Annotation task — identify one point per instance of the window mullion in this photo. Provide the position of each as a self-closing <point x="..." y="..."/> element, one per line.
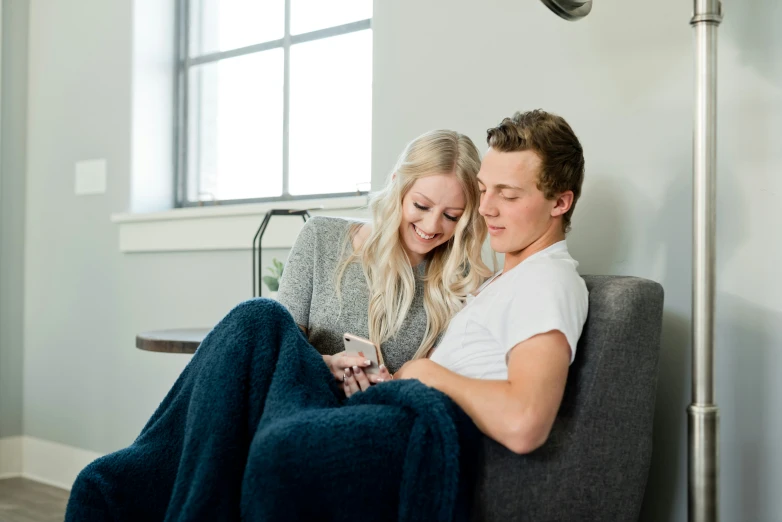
<point x="187" y="90"/>
<point x="182" y="92"/>
<point x="286" y="99"/>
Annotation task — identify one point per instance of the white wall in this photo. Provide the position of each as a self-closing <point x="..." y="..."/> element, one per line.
<point x="622" y="77"/>
<point x="12" y="211"/>
<point x="85" y="384"/>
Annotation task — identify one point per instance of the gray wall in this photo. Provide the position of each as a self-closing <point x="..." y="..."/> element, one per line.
<point x="12" y="212"/>
<point x="622" y="77"/>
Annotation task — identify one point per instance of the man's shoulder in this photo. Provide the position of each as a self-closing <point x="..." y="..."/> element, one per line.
<point x="545" y="270"/>
<point x="547" y="285"/>
<point x="549" y="278"/>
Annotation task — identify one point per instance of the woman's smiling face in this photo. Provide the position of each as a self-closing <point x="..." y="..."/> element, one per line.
<point x="430" y="211"/>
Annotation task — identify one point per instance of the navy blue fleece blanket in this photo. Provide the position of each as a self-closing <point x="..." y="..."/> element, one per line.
<point x="255" y="429"/>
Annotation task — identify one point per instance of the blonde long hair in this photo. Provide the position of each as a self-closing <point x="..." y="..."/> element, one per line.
<point x="453" y="269"/>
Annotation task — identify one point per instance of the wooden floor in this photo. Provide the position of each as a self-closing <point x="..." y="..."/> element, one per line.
<point x="23" y="500"/>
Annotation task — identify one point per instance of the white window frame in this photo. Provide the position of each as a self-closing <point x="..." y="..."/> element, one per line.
<point x="224" y="227"/>
<point x="185" y="63"/>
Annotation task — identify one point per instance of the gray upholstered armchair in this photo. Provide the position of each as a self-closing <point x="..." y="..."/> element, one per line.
<point x="595" y="464"/>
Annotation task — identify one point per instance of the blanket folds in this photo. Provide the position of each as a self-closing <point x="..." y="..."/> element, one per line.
<point x="255" y="428"/>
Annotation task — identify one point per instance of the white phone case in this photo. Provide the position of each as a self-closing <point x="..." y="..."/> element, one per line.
<point x="364" y="348"/>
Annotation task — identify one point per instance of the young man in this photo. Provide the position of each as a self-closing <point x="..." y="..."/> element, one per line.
<point x="504" y="358"/>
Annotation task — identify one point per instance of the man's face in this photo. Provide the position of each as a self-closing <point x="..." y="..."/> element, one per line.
<point x="516" y="211"/>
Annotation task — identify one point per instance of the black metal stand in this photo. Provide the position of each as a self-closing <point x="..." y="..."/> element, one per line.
<point x="257" y="268"/>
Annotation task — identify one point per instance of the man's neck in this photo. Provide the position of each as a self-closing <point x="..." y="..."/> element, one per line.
<point x="551" y="237"/>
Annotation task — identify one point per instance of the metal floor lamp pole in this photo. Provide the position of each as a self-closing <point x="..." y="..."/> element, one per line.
<point x="703" y="415"/>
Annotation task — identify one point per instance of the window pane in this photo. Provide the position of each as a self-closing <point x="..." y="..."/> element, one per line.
<point x="235" y="128"/>
<point x="331" y="114"/>
<point x="221" y="25"/>
<point x="311" y="15"/>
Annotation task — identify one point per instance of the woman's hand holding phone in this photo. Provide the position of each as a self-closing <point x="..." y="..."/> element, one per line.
<point x="359" y="366"/>
<point x="357" y="380"/>
<point x="340" y="362"/>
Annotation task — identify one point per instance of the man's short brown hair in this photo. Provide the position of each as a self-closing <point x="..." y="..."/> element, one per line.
<point x="552" y="139"/>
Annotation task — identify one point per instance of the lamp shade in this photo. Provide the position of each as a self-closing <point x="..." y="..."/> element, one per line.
<point x="569" y="9"/>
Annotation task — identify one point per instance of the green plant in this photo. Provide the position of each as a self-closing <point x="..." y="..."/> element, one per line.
<point x="273" y="281"/>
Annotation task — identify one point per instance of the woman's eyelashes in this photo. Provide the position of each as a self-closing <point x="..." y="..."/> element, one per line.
<point x="426" y="209"/>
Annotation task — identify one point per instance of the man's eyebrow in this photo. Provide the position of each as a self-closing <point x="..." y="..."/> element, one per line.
<point x="432" y="202"/>
<point x="500" y="186"/>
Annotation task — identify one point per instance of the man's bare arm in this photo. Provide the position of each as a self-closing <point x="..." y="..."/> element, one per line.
<point x="517" y="413"/>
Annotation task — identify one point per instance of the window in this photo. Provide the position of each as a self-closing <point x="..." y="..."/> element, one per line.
<point x="274" y="100"/>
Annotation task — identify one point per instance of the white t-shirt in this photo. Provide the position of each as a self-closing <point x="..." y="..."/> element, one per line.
<point x="541" y="294"/>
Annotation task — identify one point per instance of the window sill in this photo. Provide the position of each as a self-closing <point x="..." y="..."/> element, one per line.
<point x="230" y="227"/>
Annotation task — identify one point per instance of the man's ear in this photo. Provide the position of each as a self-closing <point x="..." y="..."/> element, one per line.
<point x="562" y="203"/>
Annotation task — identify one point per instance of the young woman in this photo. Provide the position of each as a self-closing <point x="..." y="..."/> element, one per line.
<point x="400" y="278"/>
<point x="396" y="280"/>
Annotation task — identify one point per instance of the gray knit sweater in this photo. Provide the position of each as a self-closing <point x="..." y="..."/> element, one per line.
<point x="307" y="289"/>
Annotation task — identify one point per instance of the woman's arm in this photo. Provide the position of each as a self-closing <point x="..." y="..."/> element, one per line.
<point x="296" y="284"/>
<point x="517" y="413"/>
<point x="297" y="288"/>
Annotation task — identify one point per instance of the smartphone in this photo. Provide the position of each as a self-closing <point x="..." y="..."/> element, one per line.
<point x="355" y="345"/>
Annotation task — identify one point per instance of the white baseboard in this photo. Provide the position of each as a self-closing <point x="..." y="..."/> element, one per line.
<point x="43" y="461"/>
<point x="10" y="457"/>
